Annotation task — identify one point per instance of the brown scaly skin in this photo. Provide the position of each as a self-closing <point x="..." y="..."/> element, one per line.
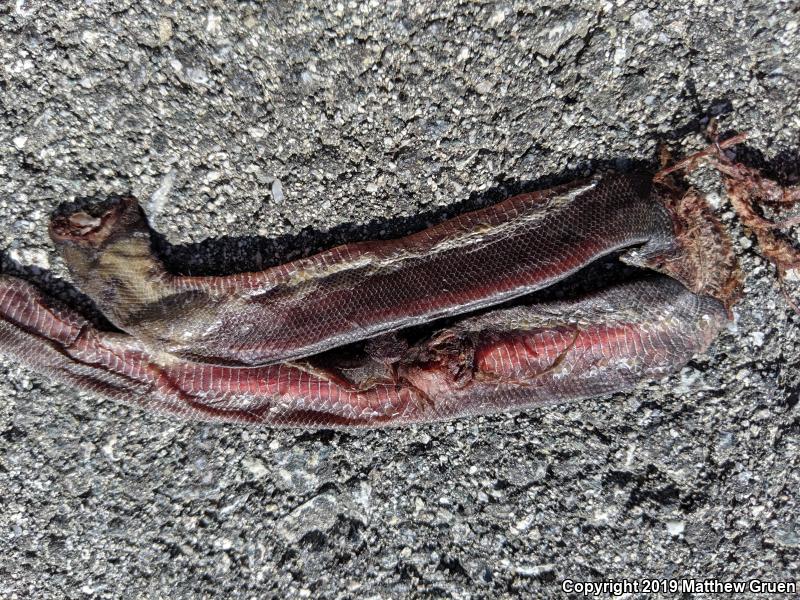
<point x="503" y="360"/>
<point x="358" y="291"/>
<point x="355" y="291"/>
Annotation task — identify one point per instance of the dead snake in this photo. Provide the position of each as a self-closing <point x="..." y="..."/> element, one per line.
<point x="272" y="347"/>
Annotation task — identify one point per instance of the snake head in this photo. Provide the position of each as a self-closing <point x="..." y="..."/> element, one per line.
<point x="92" y="224"/>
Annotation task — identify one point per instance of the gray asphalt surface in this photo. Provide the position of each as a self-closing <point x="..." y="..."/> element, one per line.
<point x="309" y="124"/>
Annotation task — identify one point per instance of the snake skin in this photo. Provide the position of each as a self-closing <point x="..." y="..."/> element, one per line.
<point x="361" y="290"/>
<point x="277" y="347"/>
<point x="506" y="360"/>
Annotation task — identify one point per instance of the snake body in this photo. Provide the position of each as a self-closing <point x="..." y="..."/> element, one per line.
<point x="290" y="346"/>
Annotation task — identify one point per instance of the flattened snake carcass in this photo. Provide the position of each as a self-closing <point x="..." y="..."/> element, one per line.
<point x="286" y="346"/>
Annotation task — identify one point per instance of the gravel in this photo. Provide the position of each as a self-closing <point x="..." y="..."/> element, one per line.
<point x="254" y="134"/>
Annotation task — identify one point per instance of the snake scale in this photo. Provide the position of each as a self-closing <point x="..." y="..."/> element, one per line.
<point x="391" y="332"/>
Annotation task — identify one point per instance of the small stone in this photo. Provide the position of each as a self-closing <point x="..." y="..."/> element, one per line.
<point x="89" y="37"/>
<point x="277" y="191"/>
<point x="158" y="199"/>
<point x="198" y="75"/>
<point x="675" y="528"/>
<point x="714" y="199"/>
<point x="484" y="87"/>
<point x="535" y="570"/>
<point x="164" y="30"/>
<point x="498" y="17"/>
<point x="213" y="23"/>
<point x="255" y="466"/>
<point x="318" y="514"/>
<point x="224" y="544"/>
<point x="641" y="21"/>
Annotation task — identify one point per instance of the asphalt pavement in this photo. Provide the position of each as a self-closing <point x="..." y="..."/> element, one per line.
<point x="256" y="132"/>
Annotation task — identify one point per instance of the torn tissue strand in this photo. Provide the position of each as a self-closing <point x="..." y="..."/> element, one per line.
<point x="748" y="190"/>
